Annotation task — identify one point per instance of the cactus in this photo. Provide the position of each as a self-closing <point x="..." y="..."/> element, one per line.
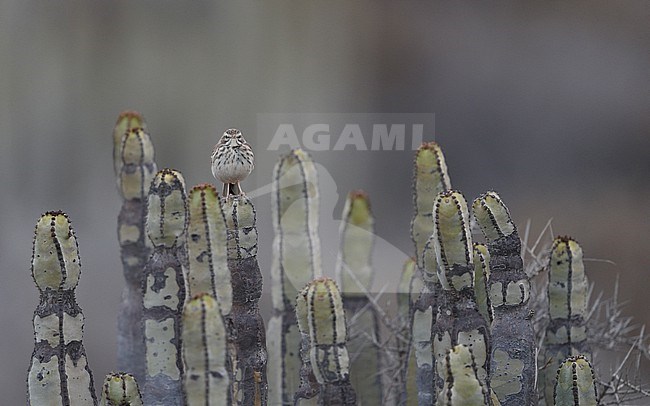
<point x="309" y="386"/>
<point x="512" y="367"/>
<point x="429" y="178"/>
<point x="296" y="261"/>
<point x="481" y="277"/>
<point x="164" y="289"/>
<point x="248" y="337"/>
<point x="205" y="354"/>
<point x="575" y="383"/>
<point x="462" y="386"/>
<point x="566" y="333"/>
<point x="135" y="168"/>
<point x="328" y="334"/>
<point x="120" y="389"/>
<point x="206" y="247"/>
<point x="459" y="320"/>
<point x="59" y="372"/>
<point x="407" y="293"/>
<point x="354" y="273"/>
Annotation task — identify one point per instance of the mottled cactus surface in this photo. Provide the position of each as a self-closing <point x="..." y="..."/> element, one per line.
<point x="575" y="383"/>
<point x="134" y="164"/>
<point x="512" y="355"/>
<point x="59" y="372"/>
<point x="462" y="385"/>
<point x="164" y="290"/>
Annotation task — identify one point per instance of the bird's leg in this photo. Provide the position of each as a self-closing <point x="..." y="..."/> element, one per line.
<point x="235" y="189"/>
<point x="226" y="189"/>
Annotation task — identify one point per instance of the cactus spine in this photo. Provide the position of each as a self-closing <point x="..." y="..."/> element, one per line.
<point x="575" y="383"/>
<point x="120" y="389"/>
<point x="566" y="333"/>
<point x="135" y="167"/>
<point x="296" y="261"/>
<point x="512" y="367"/>
<point x="459" y="320"/>
<point x="248" y="337"/>
<point x="205" y="353"/>
<point x="59" y="372"/>
<point x="354" y="272"/>
<point x="164" y="289"/>
<point x="429" y="178"/>
<point x="328" y="334"/>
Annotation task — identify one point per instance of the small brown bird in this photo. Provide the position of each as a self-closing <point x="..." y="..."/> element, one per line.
<point x="232" y="161"/>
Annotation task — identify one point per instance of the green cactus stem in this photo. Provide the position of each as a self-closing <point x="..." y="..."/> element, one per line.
<point x="205" y="354"/>
<point x="126" y="121"/>
<point x="407" y="293"/>
<point x="58" y="372"/>
<point x="328" y="334"/>
<point x="135" y="169"/>
<point x="120" y="389"/>
<point x="429" y="179"/>
<point x="512" y="367"/>
<point x="296" y="261"/>
<point x="459" y="320"/>
<point x="462" y="386"/>
<point x="164" y="290"/>
<point x="354" y="273"/>
<point x="309" y="386"/>
<point x="206" y="247"/>
<point x="566" y="333"/>
<point x="481" y="277"/>
<point x="248" y="338"/>
<point x="575" y="383"/>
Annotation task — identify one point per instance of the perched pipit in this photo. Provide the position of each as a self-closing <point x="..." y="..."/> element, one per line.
<point x="232" y="161"/>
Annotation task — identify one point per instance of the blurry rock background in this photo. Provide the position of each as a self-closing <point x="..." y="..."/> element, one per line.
<point x="547" y="103"/>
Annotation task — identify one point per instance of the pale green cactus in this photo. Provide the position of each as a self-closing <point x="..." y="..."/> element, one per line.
<point x="328" y="334"/>
<point x="206" y="247"/>
<point x="566" y="333"/>
<point x="120" y="389"/>
<point x="429" y="179"/>
<point x="459" y="320"/>
<point x="164" y="290"/>
<point x="296" y="261"/>
<point x="309" y="386"/>
<point x="407" y="294"/>
<point x="58" y="372"/>
<point x="462" y="386"/>
<point x="575" y="383"/>
<point x="135" y="168"/>
<point x="481" y="277"/>
<point x="205" y="354"/>
<point x="247" y="336"/>
<point x="512" y="366"/>
<point x="355" y="274"/>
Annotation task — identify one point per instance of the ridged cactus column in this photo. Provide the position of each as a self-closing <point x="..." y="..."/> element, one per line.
<point x="120" y="389"/>
<point x="429" y="179"/>
<point x="408" y="292"/>
<point x="328" y="335"/>
<point x="575" y="383"/>
<point x="59" y="372"/>
<point x="566" y="333"/>
<point x="135" y="168"/>
<point x="296" y="261"/>
<point x="512" y="367"/>
<point x="462" y="386"/>
<point x="355" y="274"/>
<point x="164" y="290"/>
<point x="205" y="341"/>
<point x="459" y="320"/>
<point x="309" y="386"/>
<point x="248" y="338"/>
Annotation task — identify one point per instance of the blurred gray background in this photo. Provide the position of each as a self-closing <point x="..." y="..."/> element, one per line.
<point x="547" y="103"/>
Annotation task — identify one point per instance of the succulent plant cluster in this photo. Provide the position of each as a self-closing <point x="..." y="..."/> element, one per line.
<point x="462" y="332"/>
